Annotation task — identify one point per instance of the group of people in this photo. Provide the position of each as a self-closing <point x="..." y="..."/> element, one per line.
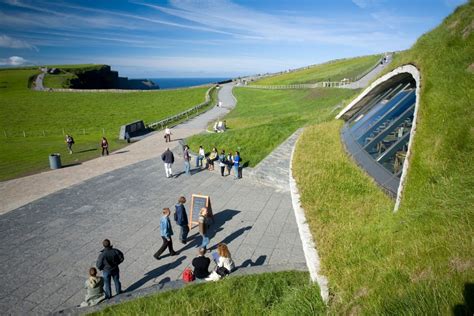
<point x="104" y="144"/>
<point x="227" y="161"/>
<point x="220" y="126"/>
<point x="222" y="258"/>
<point x="98" y="288"/>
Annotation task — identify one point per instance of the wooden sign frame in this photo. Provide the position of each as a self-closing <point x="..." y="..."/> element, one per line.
<point x="208" y="206"/>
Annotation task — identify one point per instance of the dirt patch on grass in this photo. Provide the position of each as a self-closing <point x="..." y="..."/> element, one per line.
<point x="461" y="265"/>
<point x="468" y="30"/>
<point x="470" y="68"/>
<point x="421" y="275"/>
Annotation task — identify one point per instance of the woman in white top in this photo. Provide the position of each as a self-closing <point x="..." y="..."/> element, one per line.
<point x="224" y="262"/>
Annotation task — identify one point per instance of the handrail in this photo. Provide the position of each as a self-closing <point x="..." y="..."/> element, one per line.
<point x="186" y="113"/>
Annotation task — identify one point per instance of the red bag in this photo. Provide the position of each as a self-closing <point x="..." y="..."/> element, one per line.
<point x="188" y="275"/>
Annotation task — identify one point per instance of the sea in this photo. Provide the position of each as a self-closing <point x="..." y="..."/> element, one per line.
<point x="173" y="83"/>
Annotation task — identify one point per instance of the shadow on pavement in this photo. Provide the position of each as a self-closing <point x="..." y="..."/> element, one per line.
<point x="153" y="274"/>
<point x="249" y="263"/>
<point x="71" y="165"/>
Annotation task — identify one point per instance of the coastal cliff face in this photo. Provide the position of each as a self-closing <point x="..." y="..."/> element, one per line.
<point x="103" y="77"/>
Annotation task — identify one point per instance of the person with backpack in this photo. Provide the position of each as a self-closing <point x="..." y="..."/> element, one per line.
<point x="181" y="218"/>
<point x="105" y="146"/>
<point x="168" y="160"/>
<point x="187" y="160"/>
<point x="166" y="231"/>
<point x="222" y="162"/>
<point x="108" y="262"/>
<point x="69" y="143"/>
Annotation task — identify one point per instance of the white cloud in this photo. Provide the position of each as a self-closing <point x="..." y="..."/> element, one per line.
<point x="363" y="4"/>
<point x="13" y="61"/>
<point x="7" y="41"/>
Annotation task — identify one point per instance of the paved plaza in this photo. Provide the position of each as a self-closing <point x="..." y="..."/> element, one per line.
<point x="48" y="244"/>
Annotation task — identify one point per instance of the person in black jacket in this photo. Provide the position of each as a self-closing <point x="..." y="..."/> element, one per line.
<point x="201" y="265"/>
<point x="181" y="218"/>
<point x="108" y="262"/>
<point x="168" y="159"/>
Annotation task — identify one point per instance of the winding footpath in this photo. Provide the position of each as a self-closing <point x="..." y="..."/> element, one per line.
<point x="53" y="222"/>
<point x="51" y="238"/>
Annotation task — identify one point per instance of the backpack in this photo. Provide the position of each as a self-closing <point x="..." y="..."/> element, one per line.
<point x="188" y="275"/>
<point x="72" y="139"/>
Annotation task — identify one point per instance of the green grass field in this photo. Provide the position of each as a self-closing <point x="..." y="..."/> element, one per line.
<point x="282" y="293"/>
<point x="419" y="260"/>
<point x="44" y="117"/>
<point x="263" y="119"/>
<point x="330" y="71"/>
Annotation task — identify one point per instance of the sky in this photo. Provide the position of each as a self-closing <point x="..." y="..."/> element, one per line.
<point x="209" y="38"/>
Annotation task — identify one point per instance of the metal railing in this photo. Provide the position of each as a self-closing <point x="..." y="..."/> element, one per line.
<point x="185" y="114"/>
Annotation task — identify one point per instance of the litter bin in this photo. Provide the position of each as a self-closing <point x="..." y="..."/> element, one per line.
<point x="55" y="161"/>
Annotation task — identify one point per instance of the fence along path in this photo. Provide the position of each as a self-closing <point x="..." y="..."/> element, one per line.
<point x="21" y="191"/>
<point x="358" y="82"/>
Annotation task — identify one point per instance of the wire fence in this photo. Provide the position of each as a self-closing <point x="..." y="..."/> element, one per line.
<point x="103" y="131"/>
<point x="57" y="132"/>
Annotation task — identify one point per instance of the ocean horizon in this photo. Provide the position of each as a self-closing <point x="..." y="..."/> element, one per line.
<point x="173" y="83"/>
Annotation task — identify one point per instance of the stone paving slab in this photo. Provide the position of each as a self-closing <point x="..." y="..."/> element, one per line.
<point x="49" y="244"/>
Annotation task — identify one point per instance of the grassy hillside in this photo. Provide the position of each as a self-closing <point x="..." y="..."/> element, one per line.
<point x="45" y="116"/>
<point x="263" y="119"/>
<point x="330" y="71"/>
<point x="282" y="293"/>
<point x="419" y="260"/>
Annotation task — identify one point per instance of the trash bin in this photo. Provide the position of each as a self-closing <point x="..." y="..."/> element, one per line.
<point x="55" y="161"/>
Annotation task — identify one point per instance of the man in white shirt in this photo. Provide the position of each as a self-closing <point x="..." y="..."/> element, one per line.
<point x="167" y="134"/>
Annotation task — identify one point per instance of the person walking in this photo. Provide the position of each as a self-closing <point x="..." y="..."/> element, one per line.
<point x="108" y="262"/>
<point x="229" y="162"/>
<point x="69" y="143"/>
<point x="222" y="161"/>
<point x="166" y="232"/>
<point x="201" y="265"/>
<point x="105" y="146"/>
<point x="187" y="160"/>
<point x="167" y="134"/>
<point x="181" y="218"/>
<point x="168" y="160"/>
<point x="200" y="157"/>
<point x="95" y="289"/>
<point x="236" y="160"/>
<point x="203" y="226"/>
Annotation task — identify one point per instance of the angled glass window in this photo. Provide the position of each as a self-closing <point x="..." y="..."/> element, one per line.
<point x="378" y="128"/>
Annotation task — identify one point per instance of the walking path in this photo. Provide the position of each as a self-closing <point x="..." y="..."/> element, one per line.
<point x="364" y="81"/>
<point x="48" y="244"/>
<point x="21" y="191"/>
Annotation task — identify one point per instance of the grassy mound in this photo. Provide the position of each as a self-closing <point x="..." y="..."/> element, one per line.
<point x="331" y="71"/>
<point x="44" y="117"/>
<point x="419" y="260"/>
<point x="263" y="119"/>
<point x="282" y="293"/>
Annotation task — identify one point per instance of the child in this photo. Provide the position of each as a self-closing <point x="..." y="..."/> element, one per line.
<point x="95" y="289"/>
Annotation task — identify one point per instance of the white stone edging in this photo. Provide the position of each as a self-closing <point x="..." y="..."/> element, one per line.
<point x="309" y="247"/>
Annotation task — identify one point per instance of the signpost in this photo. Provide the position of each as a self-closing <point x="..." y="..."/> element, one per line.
<point x="197" y="203"/>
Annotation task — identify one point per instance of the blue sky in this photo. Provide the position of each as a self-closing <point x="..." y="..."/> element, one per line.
<point x="205" y="38"/>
